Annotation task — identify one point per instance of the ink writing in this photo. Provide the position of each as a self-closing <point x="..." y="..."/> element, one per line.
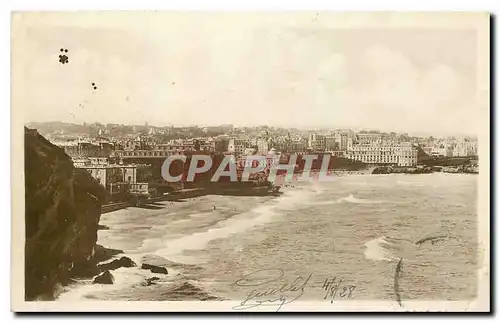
<point x="270" y="288"/>
<point x="336" y="288"/>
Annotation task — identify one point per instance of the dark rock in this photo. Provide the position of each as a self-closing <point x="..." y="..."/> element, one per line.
<point x="84" y="269"/>
<point x="155" y="269"/>
<point x="382" y="170"/>
<point x="62" y="211"/>
<point x="104" y="278"/>
<point x="117" y="263"/>
<point x="150" y="281"/>
<point x="102" y="254"/>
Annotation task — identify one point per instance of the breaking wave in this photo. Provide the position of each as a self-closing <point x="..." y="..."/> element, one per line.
<point x="380" y="249"/>
<point x="258" y="216"/>
<point x="352" y="199"/>
<point x="390" y="249"/>
<point x="349" y="199"/>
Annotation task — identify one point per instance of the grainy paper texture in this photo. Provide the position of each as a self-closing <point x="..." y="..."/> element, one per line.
<point x="395" y="219"/>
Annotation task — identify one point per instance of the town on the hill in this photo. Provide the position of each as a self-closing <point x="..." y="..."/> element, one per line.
<point x="128" y="159"/>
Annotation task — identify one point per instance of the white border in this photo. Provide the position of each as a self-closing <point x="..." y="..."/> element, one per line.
<point x="201" y="5"/>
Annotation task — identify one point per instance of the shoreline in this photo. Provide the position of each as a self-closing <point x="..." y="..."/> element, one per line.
<point x="159" y="277"/>
<point x="178" y="284"/>
<point x="174" y="196"/>
<point x="189" y="193"/>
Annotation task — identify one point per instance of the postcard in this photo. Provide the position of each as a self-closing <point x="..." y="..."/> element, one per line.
<point x="250" y="161"/>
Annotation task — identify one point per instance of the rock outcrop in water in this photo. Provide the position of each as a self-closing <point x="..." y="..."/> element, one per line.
<point x="150" y="281"/>
<point x="104" y="278"/>
<point x="102" y="254"/>
<point x="155" y="268"/>
<point x="117" y="263"/>
<point x="62" y="211"/>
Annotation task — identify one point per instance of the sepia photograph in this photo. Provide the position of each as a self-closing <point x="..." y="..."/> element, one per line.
<point x="250" y="162"/>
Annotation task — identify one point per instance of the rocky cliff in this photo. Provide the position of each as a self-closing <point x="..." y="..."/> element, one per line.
<point x="63" y="207"/>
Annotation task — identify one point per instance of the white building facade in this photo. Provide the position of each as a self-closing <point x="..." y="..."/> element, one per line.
<point x="389" y="153"/>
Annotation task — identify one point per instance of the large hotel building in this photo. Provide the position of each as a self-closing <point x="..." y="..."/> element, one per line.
<point x="384" y="152"/>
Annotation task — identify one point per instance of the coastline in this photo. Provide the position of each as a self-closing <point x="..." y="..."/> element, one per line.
<point x="188" y="281"/>
<point x="179" y="284"/>
<point x="145" y="280"/>
<point x="138" y="282"/>
<point x="280" y="181"/>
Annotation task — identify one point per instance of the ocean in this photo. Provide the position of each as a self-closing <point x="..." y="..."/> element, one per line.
<point x="351" y="232"/>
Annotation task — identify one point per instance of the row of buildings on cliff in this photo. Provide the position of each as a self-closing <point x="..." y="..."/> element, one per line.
<point x="103" y="154"/>
<point x="100" y="140"/>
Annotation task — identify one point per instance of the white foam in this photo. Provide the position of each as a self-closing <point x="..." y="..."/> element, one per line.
<point x="392" y="249"/>
<point x="375" y="250"/>
<point x="353" y="199"/>
<point x="350" y="199"/>
<point x="225" y="229"/>
<point x="124" y="277"/>
<point x="258" y="216"/>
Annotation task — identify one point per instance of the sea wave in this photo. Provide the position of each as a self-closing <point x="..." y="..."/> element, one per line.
<point x="349" y="199"/>
<point x="258" y="216"/>
<point x="390" y="249"/>
<point x="377" y="250"/>
<point x="188" y="290"/>
<point x="125" y="278"/>
<point x="224" y="229"/>
<point x="411" y="183"/>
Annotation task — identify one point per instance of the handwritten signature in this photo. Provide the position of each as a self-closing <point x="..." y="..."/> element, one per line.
<point x="270" y="288"/>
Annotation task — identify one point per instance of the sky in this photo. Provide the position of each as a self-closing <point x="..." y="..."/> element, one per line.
<point x="246" y="70"/>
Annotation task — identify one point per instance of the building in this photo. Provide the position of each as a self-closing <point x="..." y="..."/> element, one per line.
<point x="140" y="142"/>
<point x="298" y="146"/>
<point x="221" y="143"/>
<point x="98" y="160"/>
<point x="465" y="147"/>
<point x="262" y="146"/>
<point x="80" y="162"/>
<point x="338" y="153"/>
<point x="374" y="153"/>
<point x="368" y="138"/>
<point x="193" y="144"/>
<point x="316" y="142"/>
<point x="427" y="150"/>
<point x="331" y="143"/>
<point x="407" y="154"/>
<point x="81" y="148"/>
<point x="140" y="189"/>
<point x="342" y="140"/>
<point x="282" y="144"/>
<point x="384" y="152"/>
<point x="237" y="146"/>
<point x="107" y="175"/>
<point x="442" y="149"/>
